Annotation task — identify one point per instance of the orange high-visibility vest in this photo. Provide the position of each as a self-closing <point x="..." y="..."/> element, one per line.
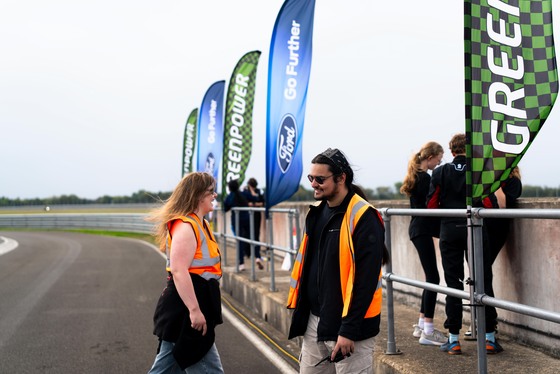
<point x="354" y="212"/>
<point x="207" y="260"/>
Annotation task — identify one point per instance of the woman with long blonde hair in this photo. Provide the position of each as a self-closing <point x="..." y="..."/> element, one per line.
<point x="421" y="231"/>
<point x="189" y="307"/>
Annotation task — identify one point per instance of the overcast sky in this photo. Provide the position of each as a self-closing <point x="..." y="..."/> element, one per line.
<point x="94" y="95"/>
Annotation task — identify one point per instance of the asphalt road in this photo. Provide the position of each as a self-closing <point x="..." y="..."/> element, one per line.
<point x="78" y="303"/>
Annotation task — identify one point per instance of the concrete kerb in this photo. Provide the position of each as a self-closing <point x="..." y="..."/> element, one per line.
<point x="257" y="296"/>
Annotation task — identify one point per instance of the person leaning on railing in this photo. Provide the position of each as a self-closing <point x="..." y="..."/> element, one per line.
<point x="421" y="231"/>
<point x="448" y="190"/>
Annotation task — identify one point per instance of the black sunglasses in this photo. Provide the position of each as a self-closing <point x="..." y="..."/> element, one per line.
<point x="318" y="179"/>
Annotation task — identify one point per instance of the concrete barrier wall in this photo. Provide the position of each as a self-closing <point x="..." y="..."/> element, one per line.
<point x="527" y="270"/>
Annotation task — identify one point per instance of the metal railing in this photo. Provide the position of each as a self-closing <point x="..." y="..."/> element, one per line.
<point x="476" y="296"/>
<point x="474" y="217"/>
<point x="130" y="222"/>
<point x="293" y="226"/>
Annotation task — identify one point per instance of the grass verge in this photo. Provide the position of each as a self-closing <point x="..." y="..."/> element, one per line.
<point x="135" y="235"/>
<point x="123" y="234"/>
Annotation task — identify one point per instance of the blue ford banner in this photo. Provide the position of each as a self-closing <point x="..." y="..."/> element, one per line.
<point x="288" y="77"/>
<point x="211" y="130"/>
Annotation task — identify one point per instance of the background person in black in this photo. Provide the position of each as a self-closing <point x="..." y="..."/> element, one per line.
<point x="421" y="231"/>
<point x="236" y="199"/>
<point x="448" y="190"/>
<point x="498" y="228"/>
<point x="255" y="198"/>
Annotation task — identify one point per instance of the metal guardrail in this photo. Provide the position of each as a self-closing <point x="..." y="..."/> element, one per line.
<point x="135" y="222"/>
<point x="478" y="299"/>
<point x="84" y="207"/>
<point x="293" y="217"/>
<point x="130" y="222"/>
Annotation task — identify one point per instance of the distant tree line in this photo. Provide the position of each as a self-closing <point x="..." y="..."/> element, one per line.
<point x="140" y="197"/>
<point x="379" y="193"/>
<point x="303" y="194"/>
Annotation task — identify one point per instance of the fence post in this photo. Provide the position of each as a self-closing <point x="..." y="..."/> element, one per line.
<point x="224" y="230"/>
<point x="391" y="344"/>
<point x="236" y="233"/>
<point x="298" y="236"/>
<point x="270" y="250"/>
<point x="472" y="277"/>
<point x="252" y="245"/>
<point x="475" y="225"/>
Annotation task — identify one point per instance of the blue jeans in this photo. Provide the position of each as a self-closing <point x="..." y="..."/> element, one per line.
<point x="165" y="362"/>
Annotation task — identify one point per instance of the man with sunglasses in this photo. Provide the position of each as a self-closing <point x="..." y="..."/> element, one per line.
<point x="335" y="289"/>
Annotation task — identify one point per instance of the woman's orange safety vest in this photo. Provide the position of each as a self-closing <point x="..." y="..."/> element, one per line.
<point x="207" y="260"/>
<point x="354" y="212"/>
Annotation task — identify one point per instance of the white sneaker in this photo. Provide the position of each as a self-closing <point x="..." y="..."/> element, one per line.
<point x="436" y="338"/>
<point x="417" y="331"/>
<point x="241" y="267"/>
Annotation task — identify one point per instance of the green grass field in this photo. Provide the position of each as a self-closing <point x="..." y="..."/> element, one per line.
<point x="146" y="237"/>
<point x="122" y="234"/>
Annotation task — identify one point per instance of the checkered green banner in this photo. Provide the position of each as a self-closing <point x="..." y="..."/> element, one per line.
<point x="238" y="122"/>
<point x="511" y="84"/>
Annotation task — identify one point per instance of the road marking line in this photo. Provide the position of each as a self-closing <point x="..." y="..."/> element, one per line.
<point x="268" y="352"/>
<point x="8" y="245"/>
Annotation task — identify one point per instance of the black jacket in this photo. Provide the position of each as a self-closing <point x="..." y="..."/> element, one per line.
<point x="368" y="239"/>
<point x="420" y="226"/>
<point x="237" y="200"/>
<point x="172" y="322"/>
<point x="512" y="188"/>
<point x="448" y="188"/>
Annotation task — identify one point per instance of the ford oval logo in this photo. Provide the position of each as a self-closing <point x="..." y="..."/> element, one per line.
<point x="210" y="164"/>
<point x="286" y="142"/>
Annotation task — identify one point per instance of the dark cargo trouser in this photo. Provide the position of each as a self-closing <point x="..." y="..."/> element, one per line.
<point x="453" y="247"/>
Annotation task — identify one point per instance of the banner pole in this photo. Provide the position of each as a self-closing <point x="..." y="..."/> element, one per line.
<point x="471" y="278"/>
